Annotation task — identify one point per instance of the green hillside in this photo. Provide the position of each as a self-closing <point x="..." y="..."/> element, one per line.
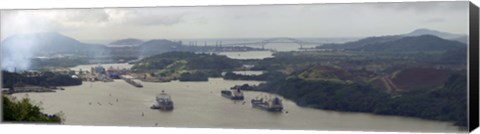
<point x="185" y="66"/>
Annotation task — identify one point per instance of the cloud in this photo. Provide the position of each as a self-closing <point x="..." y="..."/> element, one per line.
<point x="19" y="22"/>
<point x="82" y="16"/>
<point x="423" y="6"/>
<point x="435" y="20"/>
<point x="309" y="20"/>
<point x="145" y="16"/>
<point x="67" y="20"/>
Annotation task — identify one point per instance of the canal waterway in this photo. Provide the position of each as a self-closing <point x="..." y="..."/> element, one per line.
<point x="199" y="104"/>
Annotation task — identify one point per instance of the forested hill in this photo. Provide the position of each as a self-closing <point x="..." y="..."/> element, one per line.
<point x="184" y="66"/>
<point x="446" y="103"/>
<point x="10" y="79"/>
<point x="378" y="83"/>
<point x="186" y="60"/>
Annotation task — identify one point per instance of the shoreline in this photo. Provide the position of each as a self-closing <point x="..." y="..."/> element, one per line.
<point x="31" y="89"/>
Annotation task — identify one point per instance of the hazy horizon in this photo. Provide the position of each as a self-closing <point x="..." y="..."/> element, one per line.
<point x="256" y="21"/>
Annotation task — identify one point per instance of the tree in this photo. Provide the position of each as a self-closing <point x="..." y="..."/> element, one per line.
<point x="25" y="111"/>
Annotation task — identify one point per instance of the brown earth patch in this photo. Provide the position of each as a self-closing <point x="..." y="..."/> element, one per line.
<point x="417" y="78"/>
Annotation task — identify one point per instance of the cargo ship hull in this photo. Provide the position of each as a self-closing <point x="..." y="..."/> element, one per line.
<point x="163" y="102"/>
<point x="133" y="83"/>
<point x="275" y="106"/>
<point x="165" y="106"/>
<point x="232" y="96"/>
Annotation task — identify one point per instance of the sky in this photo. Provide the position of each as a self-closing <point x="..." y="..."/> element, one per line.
<point x="264" y="21"/>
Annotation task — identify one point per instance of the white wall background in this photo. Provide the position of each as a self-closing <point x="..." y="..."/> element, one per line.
<point x="53" y="129"/>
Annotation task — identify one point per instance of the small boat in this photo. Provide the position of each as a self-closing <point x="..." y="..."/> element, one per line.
<point x="272" y="105"/>
<point x="235" y="95"/>
<point x="163" y="102"/>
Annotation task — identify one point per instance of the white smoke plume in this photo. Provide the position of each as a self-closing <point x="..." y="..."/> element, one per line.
<point x="16" y="51"/>
<point x="17" y="55"/>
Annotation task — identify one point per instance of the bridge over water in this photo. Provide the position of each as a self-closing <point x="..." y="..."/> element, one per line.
<point x="264" y="42"/>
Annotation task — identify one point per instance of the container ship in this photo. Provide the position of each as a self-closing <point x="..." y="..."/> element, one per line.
<point x="272" y="105"/>
<point x="132" y="82"/>
<point x="163" y="102"/>
<point x="235" y="95"/>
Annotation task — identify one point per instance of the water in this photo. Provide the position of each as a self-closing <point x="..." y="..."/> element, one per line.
<point x="284" y="47"/>
<point x="280" y="47"/>
<point x="248" y="55"/>
<point x="199" y="104"/>
<point x="248" y="72"/>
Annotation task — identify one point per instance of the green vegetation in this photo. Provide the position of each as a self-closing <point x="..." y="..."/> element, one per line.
<point x="447" y="103"/>
<point x="45" y="79"/>
<point x="188" y="61"/>
<point x="326" y="94"/>
<point x="25" y="111"/>
<point x="425" y="84"/>
<point x="194" y="76"/>
<point x="185" y="66"/>
<point x="333" y="74"/>
<point x="377" y="62"/>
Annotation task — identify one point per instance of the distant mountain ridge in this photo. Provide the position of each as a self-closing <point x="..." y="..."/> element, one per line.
<point x="27" y="46"/>
<point x="47" y="43"/>
<point x="415" y="43"/>
<point x="424" y="31"/>
<point x="126" y="42"/>
<point x="418" y="40"/>
<point x="361" y="43"/>
<point x="444" y="35"/>
<point x="54" y="43"/>
<point x="18" y="50"/>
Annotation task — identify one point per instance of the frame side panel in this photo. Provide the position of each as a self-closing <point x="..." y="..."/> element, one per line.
<point x="473" y="67"/>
